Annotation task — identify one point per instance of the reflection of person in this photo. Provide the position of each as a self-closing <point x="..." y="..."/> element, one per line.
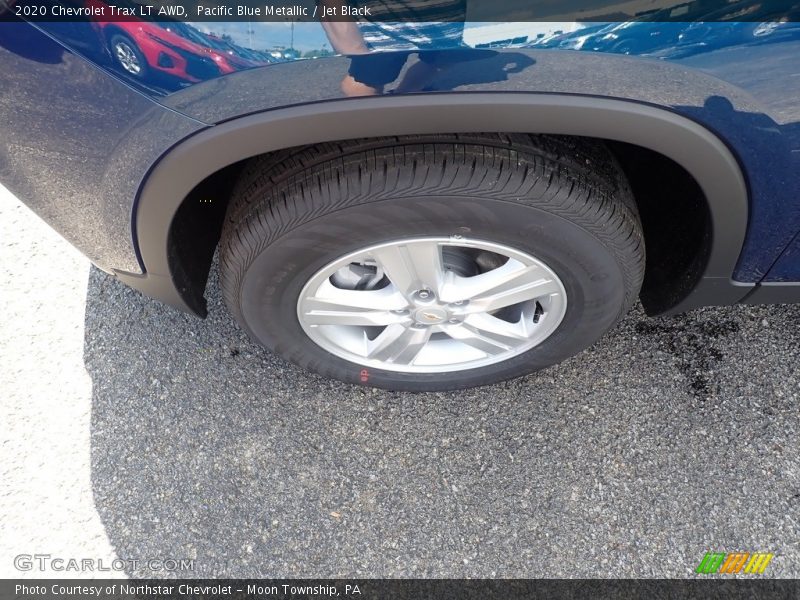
<point x="402" y="26"/>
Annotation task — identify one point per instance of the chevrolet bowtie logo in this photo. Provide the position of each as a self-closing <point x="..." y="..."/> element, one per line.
<point x="431" y="316"/>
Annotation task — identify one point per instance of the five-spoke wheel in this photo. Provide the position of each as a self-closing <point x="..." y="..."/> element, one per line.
<point x="432" y="304"/>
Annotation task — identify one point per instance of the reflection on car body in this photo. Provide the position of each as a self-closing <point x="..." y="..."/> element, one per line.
<point x="672" y="33"/>
<point x="169" y="49"/>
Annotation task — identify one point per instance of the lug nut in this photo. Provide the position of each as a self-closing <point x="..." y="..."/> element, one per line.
<point x="454" y="321"/>
<point x="424" y="295"/>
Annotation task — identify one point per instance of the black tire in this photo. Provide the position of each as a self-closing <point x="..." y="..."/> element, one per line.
<point x="120" y="38"/>
<point x="562" y="200"/>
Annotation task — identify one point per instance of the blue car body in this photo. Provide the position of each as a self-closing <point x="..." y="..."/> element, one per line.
<point x="109" y="158"/>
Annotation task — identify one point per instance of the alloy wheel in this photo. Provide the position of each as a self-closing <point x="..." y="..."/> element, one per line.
<point x="432" y="304"/>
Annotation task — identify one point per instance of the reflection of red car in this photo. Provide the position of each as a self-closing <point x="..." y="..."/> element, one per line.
<point x="139" y="47"/>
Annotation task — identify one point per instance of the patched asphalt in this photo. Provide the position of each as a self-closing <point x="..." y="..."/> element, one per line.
<point x="163" y="436"/>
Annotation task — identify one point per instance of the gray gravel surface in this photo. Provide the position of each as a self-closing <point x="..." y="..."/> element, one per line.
<point x="667" y="439"/>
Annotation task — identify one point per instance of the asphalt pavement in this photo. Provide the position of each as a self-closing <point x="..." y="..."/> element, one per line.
<point x="131" y="431"/>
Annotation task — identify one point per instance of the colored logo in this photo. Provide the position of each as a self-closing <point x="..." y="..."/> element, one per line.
<point x="734" y="562"/>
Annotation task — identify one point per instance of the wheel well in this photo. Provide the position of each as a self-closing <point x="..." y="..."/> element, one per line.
<point x="674" y="212"/>
<point x="169" y="271"/>
<point x="676" y="221"/>
<point x="195" y="231"/>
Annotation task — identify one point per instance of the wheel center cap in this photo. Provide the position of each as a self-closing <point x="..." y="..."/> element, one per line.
<point x="430" y="315"/>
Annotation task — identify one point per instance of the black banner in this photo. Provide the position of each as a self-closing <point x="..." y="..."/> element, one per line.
<point x="390" y="589"/>
<point x="402" y="10"/>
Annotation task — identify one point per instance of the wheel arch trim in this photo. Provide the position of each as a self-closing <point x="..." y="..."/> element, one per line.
<point x="704" y="156"/>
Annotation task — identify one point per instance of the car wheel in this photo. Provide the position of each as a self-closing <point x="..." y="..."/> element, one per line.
<point x="128" y="56"/>
<point x="432" y="262"/>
